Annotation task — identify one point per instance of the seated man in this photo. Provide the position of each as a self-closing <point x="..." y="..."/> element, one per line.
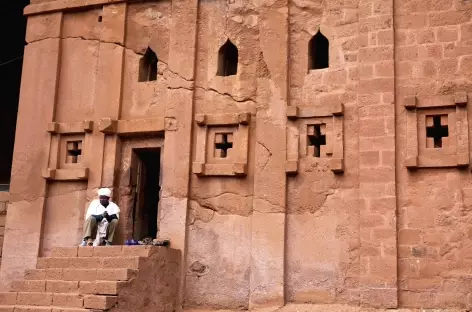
<point x="98" y="210"/>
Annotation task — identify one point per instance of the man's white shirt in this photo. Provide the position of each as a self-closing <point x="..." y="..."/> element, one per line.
<point x="95" y="208"/>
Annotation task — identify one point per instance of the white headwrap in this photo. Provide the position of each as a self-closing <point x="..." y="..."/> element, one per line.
<point x="104" y="192"/>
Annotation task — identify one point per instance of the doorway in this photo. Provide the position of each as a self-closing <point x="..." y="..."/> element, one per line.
<point x="145" y="176"/>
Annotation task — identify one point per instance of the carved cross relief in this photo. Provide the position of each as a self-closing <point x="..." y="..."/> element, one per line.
<point x="316" y="138"/>
<point x="222" y="144"/>
<point x="437" y="131"/>
<point x="70" y="143"/>
<point x="315" y="135"/>
<point x="74" y="152"/>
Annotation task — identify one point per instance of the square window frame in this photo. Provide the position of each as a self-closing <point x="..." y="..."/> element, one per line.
<point x="457" y="154"/>
<point x="299" y="119"/>
<point x="236" y="165"/>
<point x="57" y="169"/>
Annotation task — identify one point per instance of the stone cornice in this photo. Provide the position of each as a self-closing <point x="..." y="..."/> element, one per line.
<point x="62" y="5"/>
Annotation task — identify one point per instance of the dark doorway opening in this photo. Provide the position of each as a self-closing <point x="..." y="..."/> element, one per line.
<point x="318" y="52"/>
<point x="13" y="26"/>
<point x="145" y="169"/>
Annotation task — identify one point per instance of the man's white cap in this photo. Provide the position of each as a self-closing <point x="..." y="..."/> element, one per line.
<point x="104" y="192"/>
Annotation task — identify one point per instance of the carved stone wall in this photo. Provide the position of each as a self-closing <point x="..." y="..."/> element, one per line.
<point x="283" y="179"/>
<point x="4" y="198"/>
<point x="433" y="54"/>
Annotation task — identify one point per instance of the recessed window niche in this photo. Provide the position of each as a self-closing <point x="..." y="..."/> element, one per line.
<point x="318" y="52"/>
<point x="148" y="66"/>
<point x="227" y="59"/>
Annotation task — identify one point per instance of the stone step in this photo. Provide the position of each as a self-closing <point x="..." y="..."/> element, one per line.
<point x="120" y="262"/>
<point x="59" y="300"/>
<point x="57" y="286"/>
<point x="104" y="251"/>
<point x="80" y="274"/>
<point x="23" y="308"/>
<point x="19" y="308"/>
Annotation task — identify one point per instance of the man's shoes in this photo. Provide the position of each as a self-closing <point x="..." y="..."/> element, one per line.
<point x="83" y="243"/>
<point x="131" y="242"/>
<point x="107" y="243"/>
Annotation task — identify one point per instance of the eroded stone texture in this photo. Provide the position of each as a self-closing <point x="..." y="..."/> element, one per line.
<point x="291" y="225"/>
<point x="432" y="48"/>
<point x="4" y="198"/>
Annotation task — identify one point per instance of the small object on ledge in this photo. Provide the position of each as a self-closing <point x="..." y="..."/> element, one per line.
<point x="164" y="243"/>
<point x="131" y="242"/>
<point x="146" y="241"/>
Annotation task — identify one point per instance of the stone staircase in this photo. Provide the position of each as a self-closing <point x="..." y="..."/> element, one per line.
<point x="112" y="278"/>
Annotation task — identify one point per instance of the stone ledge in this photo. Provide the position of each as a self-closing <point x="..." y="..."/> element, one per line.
<point x="293" y="307"/>
<point x="72" y="174"/>
<point x="61" y="5"/>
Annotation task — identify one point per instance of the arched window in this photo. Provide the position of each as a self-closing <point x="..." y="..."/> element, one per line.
<point x="318" y="52"/>
<point x="227" y="59"/>
<point x="148" y="66"/>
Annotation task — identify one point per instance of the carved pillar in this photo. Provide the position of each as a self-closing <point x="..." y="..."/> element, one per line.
<point x="268" y="218"/>
<point x="172" y="213"/>
<point x="36" y="110"/>
<point x="377" y="188"/>
<point x="105" y="149"/>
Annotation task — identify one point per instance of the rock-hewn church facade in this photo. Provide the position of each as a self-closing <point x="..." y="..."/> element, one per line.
<point x="313" y="152"/>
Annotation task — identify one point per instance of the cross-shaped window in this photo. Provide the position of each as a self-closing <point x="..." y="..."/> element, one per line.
<point x="74" y="152"/>
<point x="437" y="130"/>
<point x="315" y="138"/>
<point x="223" y="143"/>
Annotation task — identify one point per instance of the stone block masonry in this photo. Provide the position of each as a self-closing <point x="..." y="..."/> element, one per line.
<point x="313" y="155"/>
<point x="4" y="199"/>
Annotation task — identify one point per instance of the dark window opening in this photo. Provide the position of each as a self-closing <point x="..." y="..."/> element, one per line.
<point x="148" y="66"/>
<point x="100" y="18"/>
<point x="318" y="52"/>
<point x="74" y="152"/>
<point x="13" y="23"/>
<point x="437" y="131"/>
<point x="227" y="59"/>
<point x="223" y="143"/>
<point x="145" y="182"/>
<point x="316" y="139"/>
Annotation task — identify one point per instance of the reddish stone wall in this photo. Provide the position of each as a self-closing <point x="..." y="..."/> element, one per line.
<point x="376" y="234"/>
<point x="322" y="228"/>
<point x="3" y="212"/>
<point x="433" y="57"/>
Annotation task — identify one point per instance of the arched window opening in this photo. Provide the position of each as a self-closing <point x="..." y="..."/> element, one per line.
<point x="227" y="59"/>
<point x="318" y="52"/>
<point x="148" y="66"/>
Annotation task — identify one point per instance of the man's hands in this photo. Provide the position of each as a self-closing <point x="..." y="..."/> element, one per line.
<point x="105" y="214"/>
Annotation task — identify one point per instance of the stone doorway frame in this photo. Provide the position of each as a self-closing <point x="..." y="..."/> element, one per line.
<point x="123" y="188"/>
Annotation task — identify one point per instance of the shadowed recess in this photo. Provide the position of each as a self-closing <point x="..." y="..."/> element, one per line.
<point x="318" y="52"/>
<point x="148" y="66"/>
<point x="227" y="59"/>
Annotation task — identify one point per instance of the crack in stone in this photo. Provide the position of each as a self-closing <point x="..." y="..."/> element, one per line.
<point x="221" y="194"/>
<point x="84" y="39"/>
<point x="282" y="208"/>
<point x="268" y="157"/>
<point x="243" y="100"/>
<point x="173" y="72"/>
<point x="227" y="95"/>
<point x="196" y="217"/>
